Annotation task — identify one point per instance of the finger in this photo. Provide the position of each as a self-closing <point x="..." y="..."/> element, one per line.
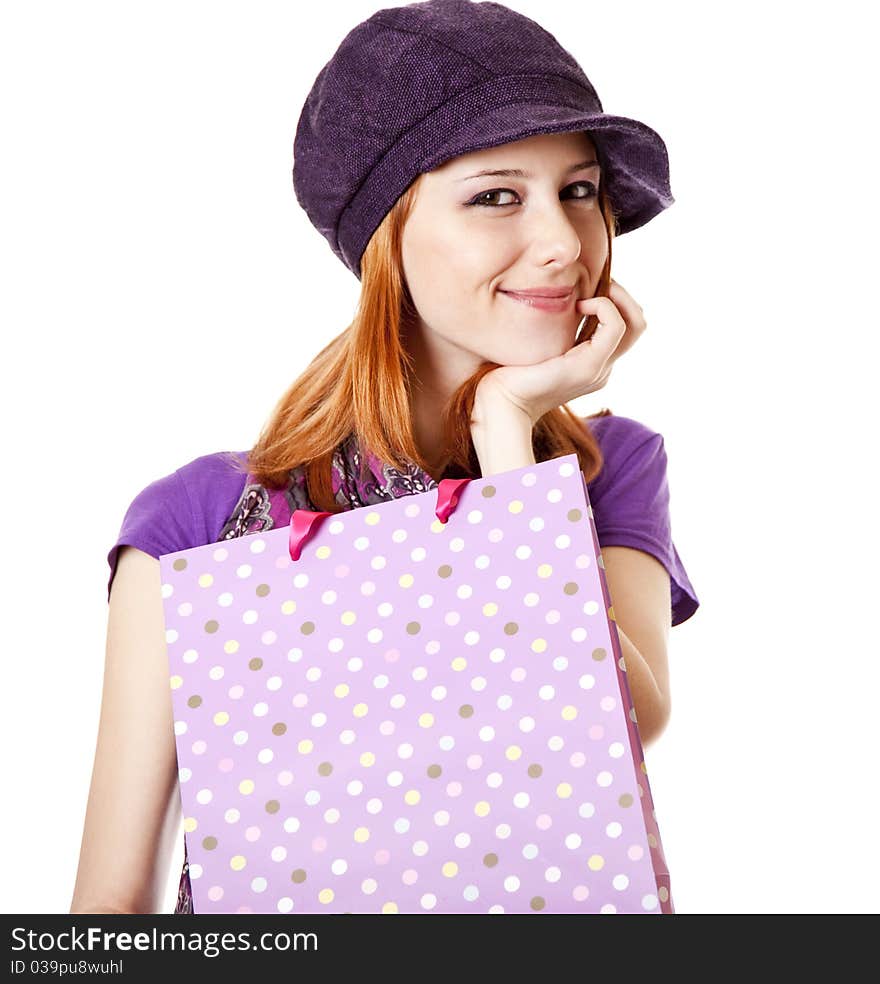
<point x="632" y="309"/>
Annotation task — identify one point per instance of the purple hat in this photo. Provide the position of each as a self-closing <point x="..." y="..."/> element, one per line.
<point x="414" y="86"/>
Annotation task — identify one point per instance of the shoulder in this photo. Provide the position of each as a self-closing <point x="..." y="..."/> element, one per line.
<point x="618" y="436"/>
<point x="184" y="508"/>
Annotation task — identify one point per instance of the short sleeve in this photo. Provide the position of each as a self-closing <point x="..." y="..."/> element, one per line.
<point x="158" y="521"/>
<point x="630" y="499"/>
<point x="184" y="509"/>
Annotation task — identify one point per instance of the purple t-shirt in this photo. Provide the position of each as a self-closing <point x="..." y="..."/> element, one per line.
<point x="630" y="499"/>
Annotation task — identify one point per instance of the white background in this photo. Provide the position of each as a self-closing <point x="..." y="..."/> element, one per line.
<point x="161" y="288"/>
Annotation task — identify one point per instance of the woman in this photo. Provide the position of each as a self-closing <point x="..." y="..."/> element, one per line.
<point x="458" y="161"/>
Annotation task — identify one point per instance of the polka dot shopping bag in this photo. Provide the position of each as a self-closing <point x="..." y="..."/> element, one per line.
<point x="418" y="706"/>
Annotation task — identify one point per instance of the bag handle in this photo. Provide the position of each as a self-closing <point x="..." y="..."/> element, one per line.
<point x="304" y="521"/>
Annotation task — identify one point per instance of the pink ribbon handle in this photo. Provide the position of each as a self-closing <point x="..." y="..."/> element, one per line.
<point x="302" y="522"/>
<point x="448" y="493"/>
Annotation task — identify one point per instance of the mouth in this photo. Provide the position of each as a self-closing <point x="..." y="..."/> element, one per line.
<point x="540" y="302"/>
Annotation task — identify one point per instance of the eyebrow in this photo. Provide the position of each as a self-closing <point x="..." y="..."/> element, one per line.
<point x="517" y="173"/>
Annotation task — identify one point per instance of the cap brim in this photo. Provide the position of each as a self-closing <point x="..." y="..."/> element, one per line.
<point x="634" y="159"/>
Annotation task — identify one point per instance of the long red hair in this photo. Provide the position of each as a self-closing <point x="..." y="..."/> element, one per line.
<point x="360" y="383"/>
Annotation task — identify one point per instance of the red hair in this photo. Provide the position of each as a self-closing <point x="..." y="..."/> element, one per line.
<point x="360" y="383"/>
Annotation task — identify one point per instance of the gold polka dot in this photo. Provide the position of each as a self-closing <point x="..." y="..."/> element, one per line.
<point x="325" y="768"/>
<point x="652" y="840"/>
<point x="273" y="806"/>
<point x="611" y="613"/>
<point x="288" y="607"/>
<point x="466" y="710"/>
<point x="413" y="628"/>
<point x="570" y="588"/>
<point x="596" y="862"/>
<point x="237" y="862"/>
<point x="450" y="869"/>
<point x="458" y="664"/>
<point x="389" y="908"/>
<point x="307" y="628"/>
<point x="362" y="835"/>
<point x="179" y="564"/>
<point x="176" y="682"/>
<point x="444" y="570"/>
<point x="663" y="893"/>
<point x="255" y="664"/>
<point x="411" y="797"/>
<point x="298" y="876"/>
<point x="279" y="728"/>
<point x="304" y="746"/>
<point x="489" y="491"/>
<point x="230" y="646"/>
<point x="537" y="903"/>
<point x="263" y="590"/>
<point x="190" y="824"/>
<point x="482" y="808"/>
<point x="625" y="800"/>
<point x="599" y="654"/>
<point x="325" y="896"/>
<point x="434" y="771"/>
<point x="212" y="625"/>
<point x="563" y="790"/>
<point x="535" y="770"/>
<point x="490" y="860"/>
<point x="511" y="628"/>
<point x="209" y="843"/>
<point x="194" y="701"/>
<point x="574" y="515"/>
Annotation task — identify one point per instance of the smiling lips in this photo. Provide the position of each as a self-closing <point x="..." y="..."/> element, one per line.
<point x="543" y="298"/>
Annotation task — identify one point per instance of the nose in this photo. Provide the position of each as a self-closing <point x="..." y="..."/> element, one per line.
<point x="551" y="234"/>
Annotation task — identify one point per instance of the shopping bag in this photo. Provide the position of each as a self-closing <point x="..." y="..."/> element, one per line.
<point x="418" y="706"/>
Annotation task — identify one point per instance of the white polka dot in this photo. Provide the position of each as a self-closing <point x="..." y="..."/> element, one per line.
<point x="649" y="901"/>
<point x="471" y="893"/>
<point x="511" y="883"/>
<point x="462" y="840"/>
<point x="285" y="904"/>
<point x="553" y="874"/>
<point x="573" y="841"/>
<point x="530" y="852"/>
<point x="259" y="885"/>
<point x="620" y="882"/>
<point x="339" y="866"/>
<point x="428" y="901"/>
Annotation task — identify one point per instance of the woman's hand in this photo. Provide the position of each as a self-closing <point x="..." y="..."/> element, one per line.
<point x="584" y="368"/>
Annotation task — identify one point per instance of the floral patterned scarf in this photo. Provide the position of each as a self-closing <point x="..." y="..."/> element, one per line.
<point x="259" y="509"/>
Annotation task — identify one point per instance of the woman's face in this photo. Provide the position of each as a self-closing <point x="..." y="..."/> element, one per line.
<point x="469" y="238"/>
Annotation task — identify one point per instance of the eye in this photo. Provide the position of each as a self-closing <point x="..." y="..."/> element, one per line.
<point x="481" y="199"/>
